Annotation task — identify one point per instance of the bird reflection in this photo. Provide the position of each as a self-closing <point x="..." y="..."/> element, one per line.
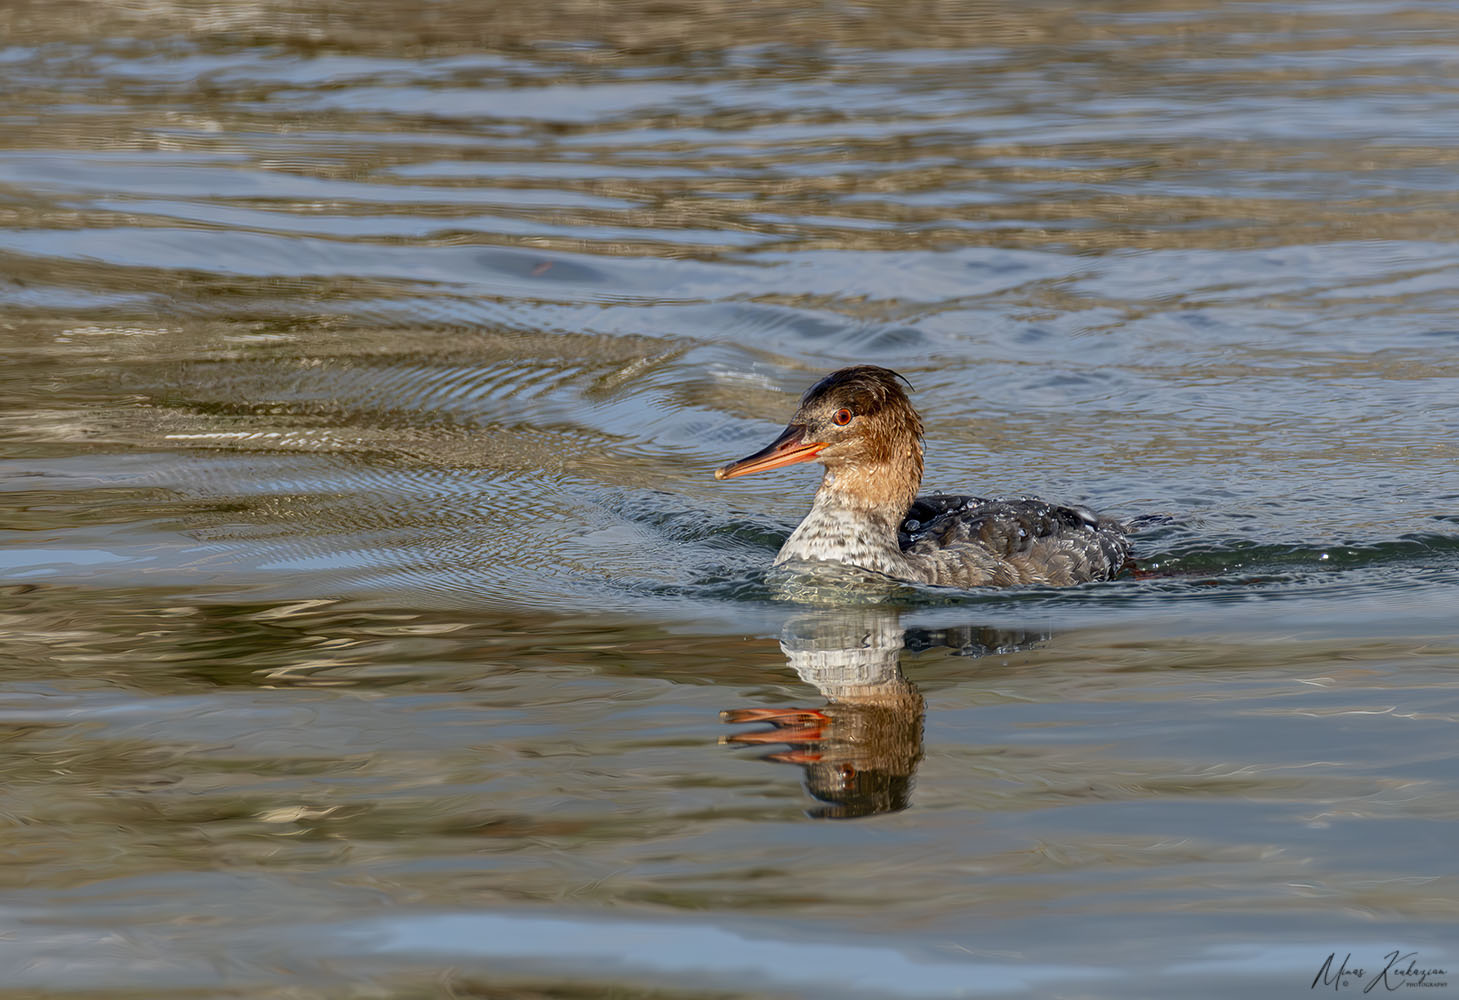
<point x="861" y="749"/>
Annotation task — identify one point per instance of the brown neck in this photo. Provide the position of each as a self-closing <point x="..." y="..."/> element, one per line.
<point x="885" y="487"/>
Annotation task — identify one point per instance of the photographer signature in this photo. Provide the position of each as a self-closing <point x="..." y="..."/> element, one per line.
<point x="1394" y="974"/>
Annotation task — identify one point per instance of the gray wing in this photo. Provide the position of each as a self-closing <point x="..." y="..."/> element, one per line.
<point x="977" y="542"/>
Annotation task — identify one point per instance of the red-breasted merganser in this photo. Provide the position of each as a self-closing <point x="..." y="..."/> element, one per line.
<point x="861" y="426"/>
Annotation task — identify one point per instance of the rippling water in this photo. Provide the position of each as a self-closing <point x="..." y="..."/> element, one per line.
<point x="373" y="624"/>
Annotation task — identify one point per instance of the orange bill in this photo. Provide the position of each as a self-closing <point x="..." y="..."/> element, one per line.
<point x="790" y="447"/>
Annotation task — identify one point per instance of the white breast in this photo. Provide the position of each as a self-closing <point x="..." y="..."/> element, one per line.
<point x="843" y="535"/>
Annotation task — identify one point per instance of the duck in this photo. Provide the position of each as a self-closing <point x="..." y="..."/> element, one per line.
<point x="859" y="423"/>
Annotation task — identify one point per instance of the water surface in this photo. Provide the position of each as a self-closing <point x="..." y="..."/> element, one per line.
<point x="374" y="625"/>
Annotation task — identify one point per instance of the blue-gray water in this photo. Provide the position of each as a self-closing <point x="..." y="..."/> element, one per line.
<point x="373" y="624"/>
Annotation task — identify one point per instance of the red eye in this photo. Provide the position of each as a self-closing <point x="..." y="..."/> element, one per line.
<point x="842" y="418"/>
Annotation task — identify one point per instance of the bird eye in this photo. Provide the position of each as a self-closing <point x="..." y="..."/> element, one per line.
<point x="842" y="418"/>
